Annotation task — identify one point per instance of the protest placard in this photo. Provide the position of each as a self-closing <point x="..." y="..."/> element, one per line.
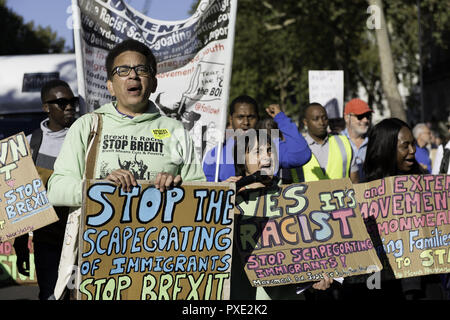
<point x="409" y="220"/>
<point x="9" y="274"/>
<point x="295" y="233"/>
<point x="24" y="205"/>
<point x="327" y="88"/>
<point x="148" y="245"/>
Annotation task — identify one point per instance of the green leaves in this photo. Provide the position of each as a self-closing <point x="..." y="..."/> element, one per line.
<point x="20" y="38"/>
<point x="277" y="42"/>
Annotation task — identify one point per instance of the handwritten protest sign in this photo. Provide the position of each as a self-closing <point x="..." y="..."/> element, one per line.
<point x="145" y="244"/>
<point x="24" y="206"/>
<point x="9" y="273"/>
<point x="327" y="88"/>
<point x="295" y="233"/>
<point x="411" y="220"/>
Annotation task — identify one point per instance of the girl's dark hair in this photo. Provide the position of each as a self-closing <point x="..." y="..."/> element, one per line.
<point x="269" y="124"/>
<point x="381" y="156"/>
<point x="250" y="139"/>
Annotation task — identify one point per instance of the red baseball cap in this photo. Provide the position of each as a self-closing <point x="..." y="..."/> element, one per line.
<point x="356" y="106"/>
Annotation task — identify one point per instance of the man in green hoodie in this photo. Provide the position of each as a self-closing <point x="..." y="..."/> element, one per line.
<point x="135" y="141"/>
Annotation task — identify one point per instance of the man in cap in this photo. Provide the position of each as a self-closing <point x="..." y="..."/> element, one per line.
<point x="358" y="118"/>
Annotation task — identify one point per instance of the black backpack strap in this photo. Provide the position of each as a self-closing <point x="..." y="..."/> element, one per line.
<point x="445" y="161"/>
<point x="35" y="143"/>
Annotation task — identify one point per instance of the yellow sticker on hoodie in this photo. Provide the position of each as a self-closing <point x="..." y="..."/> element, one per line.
<point x="161" y="133"/>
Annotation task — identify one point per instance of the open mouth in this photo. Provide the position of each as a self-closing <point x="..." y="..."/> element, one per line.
<point x="266" y="167"/>
<point x="134" y="89"/>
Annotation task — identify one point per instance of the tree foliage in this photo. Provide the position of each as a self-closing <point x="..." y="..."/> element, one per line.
<point x="18" y="37"/>
<point x="277" y="42"/>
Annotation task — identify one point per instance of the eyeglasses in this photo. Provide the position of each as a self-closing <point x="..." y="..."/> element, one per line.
<point x="140" y="70"/>
<point x="64" y="102"/>
<point x="362" y="116"/>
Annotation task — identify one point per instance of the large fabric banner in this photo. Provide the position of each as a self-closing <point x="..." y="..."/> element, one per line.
<point x="408" y="218"/>
<point x="194" y="59"/>
<point x="24" y="205"/>
<point x="296" y="233"/>
<point x="149" y="245"/>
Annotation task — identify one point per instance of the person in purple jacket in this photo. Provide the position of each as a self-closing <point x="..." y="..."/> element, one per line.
<point x="293" y="149"/>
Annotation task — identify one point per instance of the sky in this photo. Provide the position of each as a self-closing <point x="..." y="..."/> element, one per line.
<point x="55" y="13"/>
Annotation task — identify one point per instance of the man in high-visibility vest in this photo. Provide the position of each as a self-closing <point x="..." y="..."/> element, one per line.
<point x="331" y="154"/>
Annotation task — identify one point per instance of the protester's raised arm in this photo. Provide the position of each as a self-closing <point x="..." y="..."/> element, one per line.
<point x="294" y="150"/>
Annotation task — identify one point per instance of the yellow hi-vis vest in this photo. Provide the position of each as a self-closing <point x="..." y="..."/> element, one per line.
<point x="338" y="166"/>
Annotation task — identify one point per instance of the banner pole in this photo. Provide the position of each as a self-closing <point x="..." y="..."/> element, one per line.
<point x="227" y="81"/>
<point x="76" y="16"/>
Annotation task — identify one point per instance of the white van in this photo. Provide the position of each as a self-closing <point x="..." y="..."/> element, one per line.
<point x="21" y="80"/>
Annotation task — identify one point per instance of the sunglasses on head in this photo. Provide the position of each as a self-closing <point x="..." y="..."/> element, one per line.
<point x="62" y="103"/>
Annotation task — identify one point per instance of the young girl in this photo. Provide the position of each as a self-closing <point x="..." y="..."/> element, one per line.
<point x="390" y="152"/>
<point x="255" y="156"/>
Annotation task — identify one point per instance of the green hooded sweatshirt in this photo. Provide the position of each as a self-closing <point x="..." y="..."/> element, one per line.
<point x="145" y="145"/>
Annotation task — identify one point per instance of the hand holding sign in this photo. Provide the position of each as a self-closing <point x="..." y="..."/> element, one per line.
<point x="127" y="181"/>
<point x="123" y="178"/>
<point x="165" y="180"/>
<point x="323" y="284"/>
<point x="23" y="255"/>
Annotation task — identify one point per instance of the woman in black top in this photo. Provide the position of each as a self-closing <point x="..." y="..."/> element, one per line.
<point x="391" y="152"/>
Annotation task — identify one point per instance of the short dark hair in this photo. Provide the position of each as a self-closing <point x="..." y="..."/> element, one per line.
<point x="309" y="106"/>
<point x="244" y="99"/>
<point x="302" y="114"/>
<point x="381" y="156"/>
<point x="129" y="45"/>
<point x="49" y="85"/>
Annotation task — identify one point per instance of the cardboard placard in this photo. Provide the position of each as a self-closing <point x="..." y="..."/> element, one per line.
<point x="9" y="273"/>
<point x="410" y="222"/>
<point x="151" y="245"/>
<point x="295" y="233"/>
<point x="24" y="205"/>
